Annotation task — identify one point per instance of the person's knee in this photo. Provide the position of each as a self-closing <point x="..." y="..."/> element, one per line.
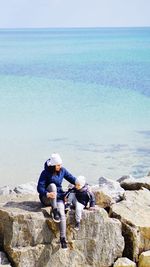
<point x="52" y="187"/>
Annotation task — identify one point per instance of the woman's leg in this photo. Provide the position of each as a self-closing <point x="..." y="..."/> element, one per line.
<point x="52" y="202"/>
<point x="52" y="188"/>
<point x="62" y="225"/>
<point x="49" y="201"/>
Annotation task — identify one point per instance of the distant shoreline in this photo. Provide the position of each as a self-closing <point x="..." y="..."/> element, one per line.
<point x="78" y="28"/>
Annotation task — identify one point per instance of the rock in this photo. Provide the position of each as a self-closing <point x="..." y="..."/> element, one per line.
<point x="130" y="183"/>
<point x="3" y="259"/>
<point x="5" y="265"/>
<point x="5" y="190"/>
<point x="124" y="262"/>
<point x="134" y="213"/>
<point x="148" y="174"/>
<point x="144" y="259"/>
<point x="107" y="192"/>
<point x="28" y="188"/>
<point x="31" y="238"/>
<point x="124" y="177"/>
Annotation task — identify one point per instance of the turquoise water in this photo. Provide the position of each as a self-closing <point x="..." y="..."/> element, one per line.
<point x="84" y="93"/>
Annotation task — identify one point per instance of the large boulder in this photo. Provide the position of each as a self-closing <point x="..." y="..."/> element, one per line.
<point x="124" y="262"/>
<point x="30" y="237"/>
<point x="107" y="192"/>
<point x="5" y="190"/>
<point x="144" y="259"/>
<point x="130" y="183"/>
<point x="28" y="188"/>
<point x="134" y="213"/>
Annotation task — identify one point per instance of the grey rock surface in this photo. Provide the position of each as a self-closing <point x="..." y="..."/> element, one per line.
<point x="31" y="238"/>
<point x="107" y="192"/>
<point x="124" y="262"/>
<point x="144" y="259"/>
<point x="5" y="190"/>
<point x="28" y="188"/>
<point x="134" y="213"/>
<point x="130" y="183"/>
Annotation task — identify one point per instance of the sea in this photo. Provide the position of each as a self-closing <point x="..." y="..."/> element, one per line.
<point x="81" y="92"/>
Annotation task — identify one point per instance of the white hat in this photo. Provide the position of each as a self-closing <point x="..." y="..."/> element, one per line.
<point x="55" y="159"/>
<point x="81" y="180"/>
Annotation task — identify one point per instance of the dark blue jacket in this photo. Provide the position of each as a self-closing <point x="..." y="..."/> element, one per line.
<point x="47" y="178"/>
<point x="83" y="195"/>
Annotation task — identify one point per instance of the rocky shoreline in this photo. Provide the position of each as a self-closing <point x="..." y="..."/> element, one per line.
<point x="116" y="234"/>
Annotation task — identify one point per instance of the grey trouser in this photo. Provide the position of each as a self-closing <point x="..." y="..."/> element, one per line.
<point x="56" y="204"/>
<point x="78" y="206"/>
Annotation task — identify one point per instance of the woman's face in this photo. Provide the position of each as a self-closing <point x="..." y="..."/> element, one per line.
<point x="57" y="168"/>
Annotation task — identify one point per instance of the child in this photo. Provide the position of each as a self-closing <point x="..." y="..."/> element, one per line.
<point x="79" y="196"/>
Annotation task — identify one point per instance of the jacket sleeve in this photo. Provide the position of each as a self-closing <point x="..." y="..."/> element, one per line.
<point x="91" y="199"/>
<point x="41" y="187"/>
<point x="69" y="177"/>
<point x="67" y="193"/>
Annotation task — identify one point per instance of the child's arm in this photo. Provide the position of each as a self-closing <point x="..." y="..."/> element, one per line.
<point x="91" y="198"/>
<point x="70" y="190"/>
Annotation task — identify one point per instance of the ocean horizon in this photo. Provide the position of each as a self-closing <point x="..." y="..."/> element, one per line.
<point x="81" y="92"/>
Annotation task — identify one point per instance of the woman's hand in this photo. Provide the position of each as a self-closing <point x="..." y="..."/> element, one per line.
<point x="65" y="199"/>
<point x="51" y="195"/>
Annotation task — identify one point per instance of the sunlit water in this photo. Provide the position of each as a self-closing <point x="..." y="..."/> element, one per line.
<point x="84" y="93"/>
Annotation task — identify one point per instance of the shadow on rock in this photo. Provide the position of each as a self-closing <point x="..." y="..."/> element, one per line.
<point x="33" y="206"/>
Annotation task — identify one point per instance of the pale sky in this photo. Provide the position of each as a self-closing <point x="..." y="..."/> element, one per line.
<point x="74" y="13"/>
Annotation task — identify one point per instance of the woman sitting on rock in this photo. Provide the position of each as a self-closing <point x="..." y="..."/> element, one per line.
<point x="51" y="193"/>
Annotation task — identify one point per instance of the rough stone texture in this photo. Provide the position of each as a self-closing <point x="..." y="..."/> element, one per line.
<point x="28" y="188"/>
<point x="30" y="237"/>
<point x="124" y="177"/>
<point x="124" y="262"/>
<point x="107" y="192"/>
<point x="5" y="190"/>
<point x="5" y="265"/>
<point x="144" y="259"/>
<point x="130" y="183"/>
<point x="134" y="213"/>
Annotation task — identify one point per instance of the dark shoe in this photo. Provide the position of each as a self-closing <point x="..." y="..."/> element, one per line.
<point x="63" y="242"/>
<point x="77" y="226"/>
<point x="67" y="207"/>
<point x="72" y="207"/>
<point x="56" y="215"/>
